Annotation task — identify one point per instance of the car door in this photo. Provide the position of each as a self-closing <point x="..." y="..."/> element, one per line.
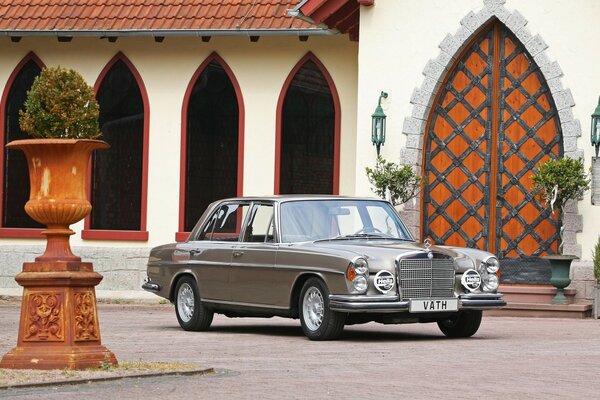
<point x="254" y="257"/>
<point x="211" y="251"/>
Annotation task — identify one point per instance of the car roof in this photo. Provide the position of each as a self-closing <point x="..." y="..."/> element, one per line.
<point x="295" y="197"/>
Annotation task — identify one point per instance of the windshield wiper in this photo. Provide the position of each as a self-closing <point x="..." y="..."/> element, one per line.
<point x="364" y="236"/>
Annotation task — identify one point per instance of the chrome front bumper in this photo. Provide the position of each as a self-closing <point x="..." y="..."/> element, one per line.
<point x="150" y="286"/>
<point x="392" y="304"/>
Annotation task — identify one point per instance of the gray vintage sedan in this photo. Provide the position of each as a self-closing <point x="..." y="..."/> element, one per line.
<point x="328" y="260"/>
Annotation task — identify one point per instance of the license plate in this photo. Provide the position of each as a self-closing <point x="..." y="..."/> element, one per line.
<point x="433" y="305"/>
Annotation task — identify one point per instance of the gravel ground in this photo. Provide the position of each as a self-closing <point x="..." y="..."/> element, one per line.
<point x="508" y="358"/>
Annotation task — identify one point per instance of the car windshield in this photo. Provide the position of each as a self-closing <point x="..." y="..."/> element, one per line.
<point x="309" y="220"/>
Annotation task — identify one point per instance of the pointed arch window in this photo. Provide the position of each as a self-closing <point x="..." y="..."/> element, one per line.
<point x="212" y="141"/>
<point x="15" y="175"/>
<point x="119" y="174"/>
<point x="308" y="131"/>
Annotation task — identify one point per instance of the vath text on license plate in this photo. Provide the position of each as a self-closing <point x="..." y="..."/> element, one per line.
<point x="432" y="305"/>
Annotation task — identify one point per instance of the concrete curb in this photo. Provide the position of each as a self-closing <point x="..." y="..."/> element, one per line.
<point x="207" y="371"/>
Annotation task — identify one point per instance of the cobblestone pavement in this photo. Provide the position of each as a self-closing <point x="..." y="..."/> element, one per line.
<point x="509" y="358"/>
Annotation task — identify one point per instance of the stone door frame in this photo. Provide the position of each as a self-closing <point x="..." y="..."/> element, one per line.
<point x="435" y="72"/>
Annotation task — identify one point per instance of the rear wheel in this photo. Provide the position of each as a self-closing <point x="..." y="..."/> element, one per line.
<point x="317" y="320"/>
<point x="191" y="313"/>
<point x="461" y="325"/>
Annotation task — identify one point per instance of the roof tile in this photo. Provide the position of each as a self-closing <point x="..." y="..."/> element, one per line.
<point x="46" y="15"/>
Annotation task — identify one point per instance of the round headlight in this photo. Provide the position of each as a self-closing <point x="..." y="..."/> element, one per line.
<point x="492" y="265"/>
<point x="360" y="283"/>
<point x="491" y="283"/>
<point x="361" y="266"/>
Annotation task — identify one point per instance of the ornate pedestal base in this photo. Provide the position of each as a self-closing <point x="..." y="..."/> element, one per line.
<point x="59" y="325"/>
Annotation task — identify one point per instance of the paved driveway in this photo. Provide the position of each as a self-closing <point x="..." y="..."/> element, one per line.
<point x="509" y="358"/>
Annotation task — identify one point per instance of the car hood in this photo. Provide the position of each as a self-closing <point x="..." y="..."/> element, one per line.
<point x="381" y="254"/>
<point x="381" y="247"/>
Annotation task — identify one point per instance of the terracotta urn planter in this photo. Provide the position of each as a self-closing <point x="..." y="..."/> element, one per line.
<point x="59" y="325"/>
<point x="58" y="174"/>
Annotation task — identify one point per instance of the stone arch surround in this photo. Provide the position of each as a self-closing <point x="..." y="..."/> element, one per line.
<point x="435" y="72"/>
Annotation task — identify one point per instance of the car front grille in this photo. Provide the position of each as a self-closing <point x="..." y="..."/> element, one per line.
<point x="424" y="278"/>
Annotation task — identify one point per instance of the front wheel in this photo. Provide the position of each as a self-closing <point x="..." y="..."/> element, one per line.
<point x="317" y="320"/>
<point x="191" y="313"/>
<point x="461" y="325"/>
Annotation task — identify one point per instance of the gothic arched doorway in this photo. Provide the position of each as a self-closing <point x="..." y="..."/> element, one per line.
<point x="491" y="123"/>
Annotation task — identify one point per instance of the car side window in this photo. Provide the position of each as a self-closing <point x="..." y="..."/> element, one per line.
<point x="225" y="224"/>
<point x="261" y="228"/>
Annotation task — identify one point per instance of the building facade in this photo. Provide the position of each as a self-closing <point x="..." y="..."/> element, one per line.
<point x="247" y="99"/>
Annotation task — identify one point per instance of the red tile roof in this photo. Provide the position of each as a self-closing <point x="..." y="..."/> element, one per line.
<point x="52" y="16"/>
<point x="343" y="15"/>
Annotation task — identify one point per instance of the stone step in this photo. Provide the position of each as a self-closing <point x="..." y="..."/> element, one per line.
<point x="533" y="293"/>
<point x="540" y="310"/>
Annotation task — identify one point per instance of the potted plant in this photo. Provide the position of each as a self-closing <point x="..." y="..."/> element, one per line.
<point x="558" y="181"/>
<point x="61" y="113"/>
<point x="393" y="182"/>
<point x="596" y="262"/>
<point x="59" y="324"/>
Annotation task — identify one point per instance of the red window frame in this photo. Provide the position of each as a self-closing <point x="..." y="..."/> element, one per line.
<point x="181" y="235"/>
<point x="337" y="121"/>
<point x="17" y="233"/>
<point x="138" y="235"/>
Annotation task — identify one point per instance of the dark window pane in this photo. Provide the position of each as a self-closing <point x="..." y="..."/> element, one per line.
<point x="212" y="143"/>
<point x="117" y="172"/>
<point x="307" y="134"/>
<point x="225" y="224"/>
<point x="16" y="175"/>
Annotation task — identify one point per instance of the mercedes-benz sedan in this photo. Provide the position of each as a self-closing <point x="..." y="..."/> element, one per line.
<point x="330" y="261"/>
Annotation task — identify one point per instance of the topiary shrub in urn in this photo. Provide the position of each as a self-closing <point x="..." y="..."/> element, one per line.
<point x="558" y="181"/>
<point x="59" y="325"/>
<point x="60" y="104"/>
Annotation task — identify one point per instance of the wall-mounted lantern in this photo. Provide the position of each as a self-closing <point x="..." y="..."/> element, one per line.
<point x="596" y="128"/>
<point x="378" y="124"/>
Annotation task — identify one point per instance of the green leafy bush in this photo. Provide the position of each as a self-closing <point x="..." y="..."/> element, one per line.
<point x="60" y="104"/>
<point x="596" y="260"/>
<point x="401" y="181"/>
<point x="567" y="175"/>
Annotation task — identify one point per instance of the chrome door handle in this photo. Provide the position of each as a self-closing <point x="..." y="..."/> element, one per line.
<point x="195" y="252"/>
<point x="238" y="253"/>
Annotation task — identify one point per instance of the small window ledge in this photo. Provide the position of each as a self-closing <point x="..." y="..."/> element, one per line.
<point x="22" y="233"/>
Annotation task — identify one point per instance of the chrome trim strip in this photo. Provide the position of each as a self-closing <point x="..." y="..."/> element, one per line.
<point x="361" y="298"/>
<point x="388" y="304"/>
<point x="395" y="306"/>
<point x="481" y="304"/>
<point x="481" y="296"/>
<point x="235" y="303"/>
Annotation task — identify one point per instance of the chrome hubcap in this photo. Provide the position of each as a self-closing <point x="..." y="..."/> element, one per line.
<point x="185" y="302"/>
<point x="313" y="306"/>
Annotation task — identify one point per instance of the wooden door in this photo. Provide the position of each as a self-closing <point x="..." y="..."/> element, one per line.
<point x="492" y="122"/>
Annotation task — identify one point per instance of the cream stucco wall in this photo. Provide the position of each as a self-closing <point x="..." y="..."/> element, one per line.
<point x="166" y="69"/>
<point x="398" y="38"/>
